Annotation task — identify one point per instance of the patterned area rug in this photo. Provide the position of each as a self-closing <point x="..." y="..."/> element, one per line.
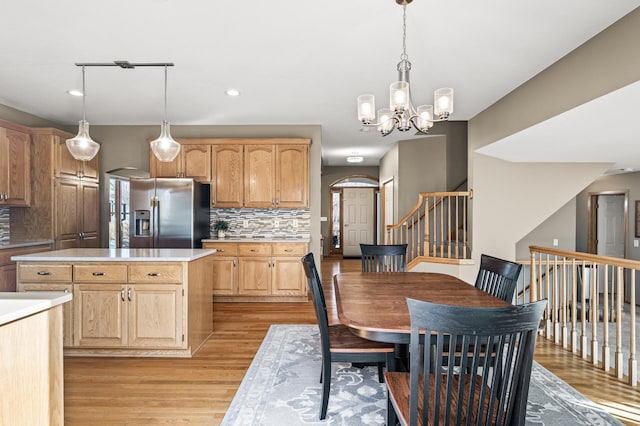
<point x="282" y="387"/>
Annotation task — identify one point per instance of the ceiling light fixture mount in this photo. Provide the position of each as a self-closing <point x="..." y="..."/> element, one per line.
<point x="401" y="114"/>
<point x="82" y="147"/>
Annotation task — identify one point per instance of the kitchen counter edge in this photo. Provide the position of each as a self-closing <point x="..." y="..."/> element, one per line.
<point x="116" y="255"/>
<point x="256" y="240"/>
<point x="15" y="306"/>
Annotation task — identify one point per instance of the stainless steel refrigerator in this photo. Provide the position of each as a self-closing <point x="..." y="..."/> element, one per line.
<point x="164" y="213"/>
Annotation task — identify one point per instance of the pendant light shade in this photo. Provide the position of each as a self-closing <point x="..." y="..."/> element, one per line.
<point x="165" y="148"/>
<point x="82" y="147"/>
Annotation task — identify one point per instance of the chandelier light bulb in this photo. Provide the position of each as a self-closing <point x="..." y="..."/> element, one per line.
<point x="366" y="108"/>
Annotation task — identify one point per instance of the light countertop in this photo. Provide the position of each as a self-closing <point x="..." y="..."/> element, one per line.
<point x="116" y="255"/>
<point x="14" y="306"/>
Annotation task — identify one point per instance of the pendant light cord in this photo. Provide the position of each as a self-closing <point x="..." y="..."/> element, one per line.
<point x="165" y="94"/>
<point x="84" y="97"/>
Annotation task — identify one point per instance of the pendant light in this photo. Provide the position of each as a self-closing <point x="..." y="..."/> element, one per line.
<point x="82" y="147"/>
<point x="165" y="148"/>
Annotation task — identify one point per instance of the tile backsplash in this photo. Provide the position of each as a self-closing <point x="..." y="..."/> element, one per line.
<point x="264" y="223"/>
<point x="5" y="234"/>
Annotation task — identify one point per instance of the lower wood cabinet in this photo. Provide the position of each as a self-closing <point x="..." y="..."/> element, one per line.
<point x="136" y="315"/>
<point x="67" y="308"/>
<point x="258" y="271"/>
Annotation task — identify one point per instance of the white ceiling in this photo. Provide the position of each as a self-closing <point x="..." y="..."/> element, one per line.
<point x="295" y="62"/>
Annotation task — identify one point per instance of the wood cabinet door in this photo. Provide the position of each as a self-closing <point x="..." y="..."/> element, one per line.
<point x="169" y="169"/>
<point x="89" y="214"/>
<point x="67" y="224"/>
<point x="15" y="176"/>
<point x="259" y="176"/>
<point x="8" y="278"/>
<point x="225" y="275"/>
<point x="91" y="169"/>
<point x="292" y="176"/>
<point x="227" y="176"/>
<point x="67" y="308"/>
<point x="254" y="276"/>
<point x="196" y="162"/>
<point x="66" y="165"/>
<point x="288" y="277"/>
<point x="100" y="315"/>
<point x="155" y="315"/>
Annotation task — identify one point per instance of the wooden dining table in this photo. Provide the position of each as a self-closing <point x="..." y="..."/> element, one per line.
<point x="374" y="304"/>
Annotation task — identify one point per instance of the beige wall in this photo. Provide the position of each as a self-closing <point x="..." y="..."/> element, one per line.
<point x="561" y="225"/>
<point x="26" y="119"/>
<point x="511" y="200"/>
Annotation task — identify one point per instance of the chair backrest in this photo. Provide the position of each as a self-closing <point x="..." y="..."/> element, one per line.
<point x="317" y="294"/>
<point x="491" y="365"/>
<point x="498" y="277"/>
<point x="384" y="258"/>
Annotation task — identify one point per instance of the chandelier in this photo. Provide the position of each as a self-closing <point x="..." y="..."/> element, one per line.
<point x="401" y="113"/>
<point x="82" y="147"/>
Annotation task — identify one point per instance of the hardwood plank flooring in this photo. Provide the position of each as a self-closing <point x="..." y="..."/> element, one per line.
<point x="197" y="391"/>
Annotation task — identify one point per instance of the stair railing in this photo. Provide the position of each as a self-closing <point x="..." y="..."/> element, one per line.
<point x="435" y="227"/>
<point x="591" y="307"/>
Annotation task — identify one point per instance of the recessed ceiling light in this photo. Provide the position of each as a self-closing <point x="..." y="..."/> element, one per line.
<point x="232" y="92"/>
<point x="74" y="92"/>
<point x="355" y="159"/>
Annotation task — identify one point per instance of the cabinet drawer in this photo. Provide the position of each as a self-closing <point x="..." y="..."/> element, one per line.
<point x="223" y="249"/>
<point x="44" y="273"/>
<point x="100" y="273"/>
<point x="155" y="273"/>
<point x="263" y="249"/>
<point x="290" y="249"/>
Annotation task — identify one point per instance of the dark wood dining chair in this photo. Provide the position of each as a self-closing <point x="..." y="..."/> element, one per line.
<point x="495" y="358"/>
<point x="384" y="258"/>
<point x="498" y="277"/>
<point x="338" y="344"/>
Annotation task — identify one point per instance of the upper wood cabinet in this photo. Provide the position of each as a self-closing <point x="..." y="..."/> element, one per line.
<point x="276" y="176"/>
<point x="292" y="176"/>
<point x="227" y="176"/>
<point x="68" y="167"/>
<point x="244" y="172"/>
<point x="259" y="176"/>
<point x="193" y="161"/>
<point x="65" y="195"/>
<point x="15" y="178"/>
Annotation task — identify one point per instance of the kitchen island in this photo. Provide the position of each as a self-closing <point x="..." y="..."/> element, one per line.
<point x="127" y="302"/>
<point x="31" y="364"/>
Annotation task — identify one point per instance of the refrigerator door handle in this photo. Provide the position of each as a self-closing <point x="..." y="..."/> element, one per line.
<point x="156" y="221"/>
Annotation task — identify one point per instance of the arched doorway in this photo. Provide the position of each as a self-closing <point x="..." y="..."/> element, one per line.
<point x="353" y="212"/>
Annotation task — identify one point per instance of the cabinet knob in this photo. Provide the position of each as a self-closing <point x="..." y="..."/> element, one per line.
<point x="122" y="294"/>
<point x="98" y="274"/>
<point x="153" y="274"/>
<point x="213" y="202"/>
<point x="288" y="250"/>
<point x="43" y="273"/>
<point x="220" y="250"/>
<point x="254" y="250"/>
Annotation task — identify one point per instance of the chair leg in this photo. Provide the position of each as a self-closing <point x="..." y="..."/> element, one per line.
<point x="380" y="373"/>
<point x="326" y="386"/>
<point x="392" y="419"/>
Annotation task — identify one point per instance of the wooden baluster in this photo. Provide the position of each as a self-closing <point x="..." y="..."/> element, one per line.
<point x="633" y="362"/>
<point x="606" y="354"/>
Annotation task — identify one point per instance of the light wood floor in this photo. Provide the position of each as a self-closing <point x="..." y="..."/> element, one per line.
<point x="197" y="391"/>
